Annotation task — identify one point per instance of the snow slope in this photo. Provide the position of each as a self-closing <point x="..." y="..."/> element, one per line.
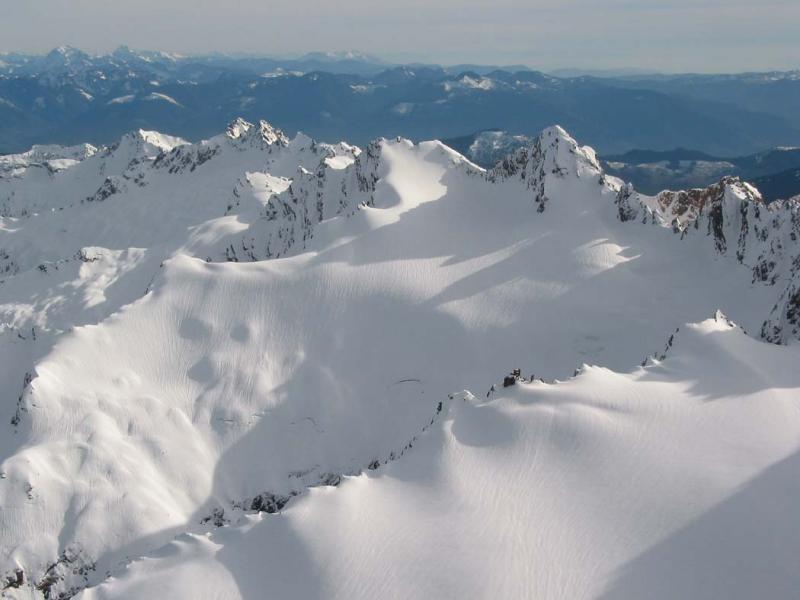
<point x="194" y="334"/>
<point x="675" y="480"/>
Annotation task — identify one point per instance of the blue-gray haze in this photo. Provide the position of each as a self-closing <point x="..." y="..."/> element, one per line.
<point x="660" y="35"/>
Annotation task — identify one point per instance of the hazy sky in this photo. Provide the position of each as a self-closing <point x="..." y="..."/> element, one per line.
<point x="666" y="35"/>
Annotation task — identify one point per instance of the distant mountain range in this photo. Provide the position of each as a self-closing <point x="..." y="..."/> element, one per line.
<point x="773" y="172"/>
<point x="69" y="96"/>
<point x="785" y="184"/>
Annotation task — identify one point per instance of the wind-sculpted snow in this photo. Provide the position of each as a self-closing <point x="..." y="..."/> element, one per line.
<point x="194" y="332"/>
<point x="674" y="480"/>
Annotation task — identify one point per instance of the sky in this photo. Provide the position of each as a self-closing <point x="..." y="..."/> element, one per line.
<point x="653" y="35"/>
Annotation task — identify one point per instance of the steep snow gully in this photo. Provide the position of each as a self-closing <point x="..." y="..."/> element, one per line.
<point x="200" y="341"/>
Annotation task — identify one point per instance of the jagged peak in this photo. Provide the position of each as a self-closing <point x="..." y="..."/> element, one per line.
<point x="270" y="134"/>
<point x="681" y="208"/>
<point x="721" y="317"/>
<point x="557" y="131"/>
<point x="565" y="152"/>
<point x="553" y="155"/>
<point x="237" y="128"/>
<point x="67" y="52"/>
<point x="741" y="189"/>
<point x="554" y="152"/>
<point x="242" y="131"/>
<point x="733" y="214"/>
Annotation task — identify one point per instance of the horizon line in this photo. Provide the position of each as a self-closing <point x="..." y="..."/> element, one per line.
<point x="338" y="56"/>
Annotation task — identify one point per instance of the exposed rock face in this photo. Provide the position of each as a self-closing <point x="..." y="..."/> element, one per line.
<point x="733" y="215"/>
<point x="244" y="134"/>
<point x="112" y="185"/>
<point x="627" y="203"/>
<point x="554" y="154"/>
<point x="781" y="262"/>
<point x="783" y="323"/>
<point x="240" y="136"/>
<point x="288" y="219"/>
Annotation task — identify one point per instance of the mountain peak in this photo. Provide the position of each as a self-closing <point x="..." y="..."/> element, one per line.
<point x="557" y="131"/>
<point x="683" y="207"/>
<point x="64" y="58"/>
<point x="237" y="128"/>
<point x="67" y="51"/>
<point x="243" y="131"/>
<point x="565" y="153"/>
<point x="271" y="134"/>
<point x="141" y="144"/>
<point x="554" y="153"/>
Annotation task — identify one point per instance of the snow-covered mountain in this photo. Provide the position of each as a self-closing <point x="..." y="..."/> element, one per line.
<point x="260" y="365"/>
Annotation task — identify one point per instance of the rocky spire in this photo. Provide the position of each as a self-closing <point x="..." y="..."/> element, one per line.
<point x="245" y="134"/>
<point x="554" y="154"/>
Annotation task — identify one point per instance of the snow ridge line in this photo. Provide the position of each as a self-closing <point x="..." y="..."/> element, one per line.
<point x="271" y="503"/>
<point x="265" y="502"/>
<point x="651" y="359"/>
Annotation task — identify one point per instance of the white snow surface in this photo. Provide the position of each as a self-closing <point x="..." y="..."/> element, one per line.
<point x="258" y="366"/>
<point x="676" y="480"/>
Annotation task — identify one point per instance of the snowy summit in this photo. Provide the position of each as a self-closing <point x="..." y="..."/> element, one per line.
<point x="268" y="366"/>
